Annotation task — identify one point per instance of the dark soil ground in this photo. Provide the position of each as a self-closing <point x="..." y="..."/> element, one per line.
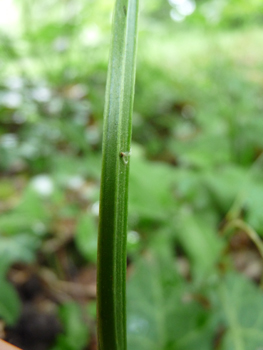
<point x="41" y="293"/>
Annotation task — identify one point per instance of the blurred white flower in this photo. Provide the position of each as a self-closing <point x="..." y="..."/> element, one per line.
<point x="11" y="99"/>
<point x="43" y="185"/>
<point x="75" y="182"/>
<point x="95" y="209"/>
<point x="8" y="141"/>
<point x="41" y="94"/>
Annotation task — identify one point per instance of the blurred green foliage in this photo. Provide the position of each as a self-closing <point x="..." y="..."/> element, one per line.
<point x="196" y="162"/>
<point x="75" y="334"/>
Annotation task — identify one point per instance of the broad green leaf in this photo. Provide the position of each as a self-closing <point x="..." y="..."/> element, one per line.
<point x="203" y="151"/>
<point x="199" y="238"/>
<point x="29" y="212"/>
<point x="242" y="313"/>
<point x="225" y="185"/>
<point x="64" y="166"/>
<point x="76" y="332"/>
<point x="19" y="248"/>
<point x="242" y="188"/>
<point x="14" y="222"/>
<point x="161" y="312"/>
<point x="9" y="302"/>
<point x="150" y="194"/>
<point x="7" y="189"/>
<point x="86" y="237"/>
<point x="253" y="201"/>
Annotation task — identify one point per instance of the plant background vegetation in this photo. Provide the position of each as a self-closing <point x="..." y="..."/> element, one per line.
<point x="196" y="185"/>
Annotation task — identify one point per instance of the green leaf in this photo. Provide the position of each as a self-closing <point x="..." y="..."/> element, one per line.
<point x="253" y="201"/>
<point x="199" y="238"/>
<point x="225" y="185"/>
<point x="9" y="303"/>
<point x="203" y="151"/>
<point x="150" y="195"/>
<point x="19" y="248"/>
<point x="239" y="188"/>
<point x="76" y="333"/>
<point x="28" y="213"/>
<point x="86" y="237"/>
<point x="14" y="222"/>
<point x="242" y="304"/>
<point x="161" y="312"/>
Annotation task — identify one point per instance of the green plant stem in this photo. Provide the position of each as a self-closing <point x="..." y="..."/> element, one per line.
<point x="111" y="267"/>
<point x="237" y="223"/>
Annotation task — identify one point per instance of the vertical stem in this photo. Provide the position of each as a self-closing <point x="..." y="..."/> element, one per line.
<point x="111" y="275"/>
